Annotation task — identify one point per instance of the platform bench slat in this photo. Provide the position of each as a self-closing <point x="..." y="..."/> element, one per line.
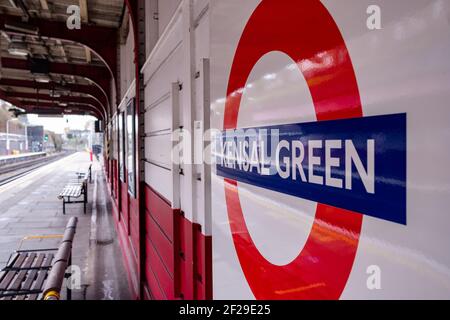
<point x="74" y="190"/>
<point x="30" y="275"/>
<point x="7" y="280"/>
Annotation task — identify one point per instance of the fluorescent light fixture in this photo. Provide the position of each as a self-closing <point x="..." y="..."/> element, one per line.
<point x="18" y="48"/>
<point x="42" y="77"/>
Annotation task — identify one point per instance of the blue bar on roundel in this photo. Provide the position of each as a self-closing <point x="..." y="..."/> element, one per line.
<point x="354" y="164"/>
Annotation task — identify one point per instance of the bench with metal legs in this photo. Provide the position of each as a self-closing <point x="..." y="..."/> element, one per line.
<point x="74" y="190"/>
<point x="39" y="274"/>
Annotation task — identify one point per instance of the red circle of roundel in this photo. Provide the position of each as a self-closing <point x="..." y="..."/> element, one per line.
<point x="306" y="32"/>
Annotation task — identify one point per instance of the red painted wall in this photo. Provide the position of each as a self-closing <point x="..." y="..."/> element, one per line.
<point x="130" y="261"/>
<point x="178" y="256"/>
<point x="203" y="265"/>
<point x="161" y="247"/>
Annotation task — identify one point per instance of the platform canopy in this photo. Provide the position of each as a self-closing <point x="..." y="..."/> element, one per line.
<point x="47" y="68"/>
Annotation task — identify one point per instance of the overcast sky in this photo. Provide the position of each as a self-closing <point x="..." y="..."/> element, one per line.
<point x="58" y="125"/>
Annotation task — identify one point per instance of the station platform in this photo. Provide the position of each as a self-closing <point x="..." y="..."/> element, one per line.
<point x="5" y="160"/>
<point x="30" y="207"/>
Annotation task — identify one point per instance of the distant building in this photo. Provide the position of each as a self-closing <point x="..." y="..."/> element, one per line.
<point x="12" y="132"/>
<point x="36" y="138"/>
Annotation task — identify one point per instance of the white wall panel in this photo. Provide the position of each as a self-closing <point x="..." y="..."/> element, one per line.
<point x="159" y="118"/>
<point x="166" y="9"/>
<point x="158" y="150"/>
<point x="164" y="49"/>
<point x="151" y="25"/>
<point x="162" y="176"/>
<point x="159" y="78"/>
<point x="202" y="211"/>
<point x="200" y="6"/>
<point x="162" y="69"/>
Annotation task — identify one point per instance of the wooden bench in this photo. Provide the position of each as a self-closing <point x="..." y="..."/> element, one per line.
<point x="74" y="190"/>
<point x="39" y="274"/>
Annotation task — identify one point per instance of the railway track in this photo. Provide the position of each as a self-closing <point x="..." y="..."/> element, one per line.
<point x="12" y="173"/>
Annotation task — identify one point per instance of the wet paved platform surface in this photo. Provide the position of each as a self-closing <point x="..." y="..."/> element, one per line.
<point x="29" y="207"/>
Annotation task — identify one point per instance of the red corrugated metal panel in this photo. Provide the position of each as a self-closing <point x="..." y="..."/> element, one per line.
<point x="162" y="244"/>
<point x="203" y="264"/>
<point x="169" y="275"/>
<point x="156" y="265"/>
<point x="153" y="284"/>
<point x="161" y="212"/>
<point x="208" y="275"/>
<point x="147" y="294"/>
<point x="187" y="259"/>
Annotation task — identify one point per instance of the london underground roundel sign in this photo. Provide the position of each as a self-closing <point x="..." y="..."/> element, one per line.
<point x="301" y="29"/>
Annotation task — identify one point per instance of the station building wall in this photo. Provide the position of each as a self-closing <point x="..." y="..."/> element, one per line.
<point x="167" y="251"/>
